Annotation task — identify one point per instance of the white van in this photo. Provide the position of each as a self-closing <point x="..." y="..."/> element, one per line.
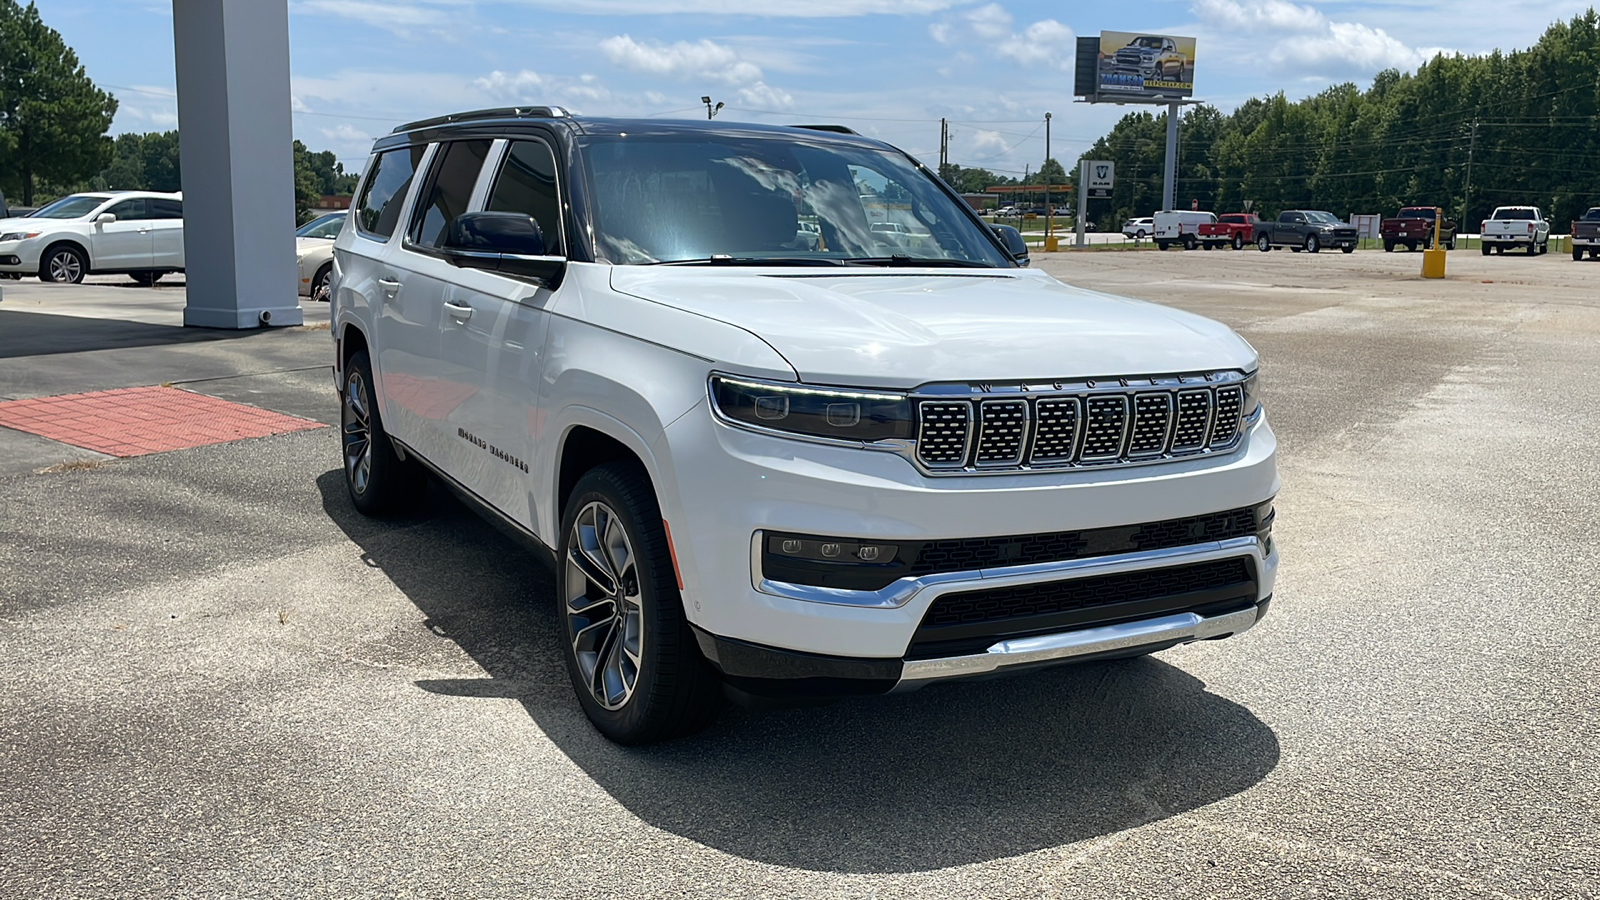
<point x="1180" y="226"/>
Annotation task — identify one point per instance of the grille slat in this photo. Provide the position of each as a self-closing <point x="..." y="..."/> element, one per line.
<point x="1097" y="427"/>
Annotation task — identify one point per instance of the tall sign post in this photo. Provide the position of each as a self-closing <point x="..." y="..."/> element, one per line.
<point x="1129" y="67"/>
<point x="1096" y="178"/>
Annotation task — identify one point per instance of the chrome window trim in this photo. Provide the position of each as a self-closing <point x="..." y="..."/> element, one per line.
<point x="903" y="591"/>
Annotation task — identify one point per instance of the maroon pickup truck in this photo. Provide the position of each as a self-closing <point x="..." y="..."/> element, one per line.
<point x="1413" y="228"/>
<point x="1230" y="230"/>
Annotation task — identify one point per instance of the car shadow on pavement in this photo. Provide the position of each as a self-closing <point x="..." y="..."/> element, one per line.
<point x="40" y="334"/>
<point x="950" y="775"/>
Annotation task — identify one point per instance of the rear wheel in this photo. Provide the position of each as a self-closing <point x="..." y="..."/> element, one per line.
<point x="1388" y="246"/>
<point x="63" y="264"/>
<point x="1594" y="253"/>
<point x="379" y="481"/>
<point x="1451" y="243"/>
<point x="634" y="661"/>
<point x="1577" y="253"/>
<point x="1188" y="242"/>
<point x="1162" y="245"/>
<point x="1263" y="243"/>
<point x="1484" y="248"/>
<point x="147" y="279"/>
<point x="1238" y="241"/>
<point x="320" y="284"/>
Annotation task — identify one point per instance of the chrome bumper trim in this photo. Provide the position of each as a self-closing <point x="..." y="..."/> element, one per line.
<point x="1179" y="628"/>
<point x="903" y="591"/>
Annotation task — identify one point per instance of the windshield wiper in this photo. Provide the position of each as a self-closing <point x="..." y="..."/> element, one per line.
<point x="725" y="260"/>
<point x="900" y="259"/>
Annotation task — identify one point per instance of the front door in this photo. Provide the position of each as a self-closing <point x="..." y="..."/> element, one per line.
<point x="126" y="243"/>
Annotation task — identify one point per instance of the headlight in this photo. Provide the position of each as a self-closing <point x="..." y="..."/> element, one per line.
<point x="18" y="235"/>
<point x="839" y="413"/>
<point x="1252" y="395"/>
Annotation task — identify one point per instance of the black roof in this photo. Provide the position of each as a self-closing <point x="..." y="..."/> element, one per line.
<point x="605" y="125"/>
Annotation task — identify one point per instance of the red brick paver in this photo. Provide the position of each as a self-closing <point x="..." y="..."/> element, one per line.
<point x="136" y="421"/>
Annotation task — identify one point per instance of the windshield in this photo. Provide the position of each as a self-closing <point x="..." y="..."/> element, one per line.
<point x="322" y="227"/>
<point x="745" y="198"/>
<point x="1323" y="218"/>
<point x="72" y="207"/>
<point x="1512" y="214"/>
<point x="1149" y="42"/>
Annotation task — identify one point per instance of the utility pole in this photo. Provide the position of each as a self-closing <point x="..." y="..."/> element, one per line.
<point x="1049" y="239"/>
<point x="944" y="149"/>
<point x="1466" y="195"/>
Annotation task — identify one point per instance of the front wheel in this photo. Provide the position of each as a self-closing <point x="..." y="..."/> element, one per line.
<point x="379" y="481"/>
<point x="1533" y="248"/>
<point x="147" y="279"/>
<point x="1348" y="248"/>
<point x="1312" y="244"/>
<point x="63" y="264"/>
<point x="634" y="661"/>
<point x="1263" y="243"/>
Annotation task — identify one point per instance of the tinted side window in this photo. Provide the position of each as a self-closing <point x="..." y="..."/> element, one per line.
<point x="165" y="209"/>
<point x="455" y="171"/>
<point x="129" y="210"/>
<point x="527" y="184"/>
<point x="377" y="210"/>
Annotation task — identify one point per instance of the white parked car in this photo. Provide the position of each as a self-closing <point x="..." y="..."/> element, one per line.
<point x="1139" y="229"/>
<point x="1511" y="227"/>
<point x="772" y="470"/>
<point x="313" y="254"/>
<point x="136" y="232"/>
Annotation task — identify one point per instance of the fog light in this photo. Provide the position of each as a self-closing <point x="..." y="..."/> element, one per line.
<point x="791" y="547"/>
<point x="800" y="547"/>
<point x="868" y="553"/>
<point x="830" y="550"/>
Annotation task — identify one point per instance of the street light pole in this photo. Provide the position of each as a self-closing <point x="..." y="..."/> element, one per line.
<point x="711" y="111"/>
<point x="1048" y="208"/>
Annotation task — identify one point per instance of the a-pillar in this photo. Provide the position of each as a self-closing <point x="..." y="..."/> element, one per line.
<point x="238" y="167"/>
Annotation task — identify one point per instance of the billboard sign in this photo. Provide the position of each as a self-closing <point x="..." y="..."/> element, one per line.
<point x="1132" y="66"/>
<point x="1099" y="177"/>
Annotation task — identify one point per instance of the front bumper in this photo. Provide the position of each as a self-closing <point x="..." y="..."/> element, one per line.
<point x="729" y="486"/>
<point x="19" y="256"/>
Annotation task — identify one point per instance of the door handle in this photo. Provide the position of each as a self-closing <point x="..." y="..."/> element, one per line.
<point x="389" y="285"/>
<point x="458" y="311"/>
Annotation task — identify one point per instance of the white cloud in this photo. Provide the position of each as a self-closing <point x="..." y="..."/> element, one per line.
<point x="1259" y="15"/>
<point x="681" y="60"/>
<point x="400" y="18"/>
<point x="763" y="96"/>
<point x="1044" y="42"/>
<point x="817" y="9"/>
<point x="510" y="86"/>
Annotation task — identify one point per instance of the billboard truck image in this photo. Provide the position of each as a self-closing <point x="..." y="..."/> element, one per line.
<point x="1145" y="66"/>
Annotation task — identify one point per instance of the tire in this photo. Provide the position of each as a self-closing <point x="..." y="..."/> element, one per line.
<point x="1450" y="244"/>
<point x="1594" y="253"/>
<point x="1484" y="247"/>
<point x="379" y="481"/>
<point x="1189" y="243"/>
<point x="1295" y="249"/>
<point x="1210" y="246"/>
<point x="1162" y="245"/>
<point x="1499" y="250"/>
<point x="63" y="264"/>
<point x="319" y="283"/>
<point x="1348" y="248"/>
<point x="147" y="279"/>
<point x="634" y="662"/>
<point x="1263" y="243"/>
<point x="1388" y="246"/>
<point x="1139" y="235"/>
<point x="1544" y="247"/>
<point x="1533" y="248"/>
<point x="1312" y="243"/>
<point x="1238" y="241"/>
<point x="1577" y="253"/>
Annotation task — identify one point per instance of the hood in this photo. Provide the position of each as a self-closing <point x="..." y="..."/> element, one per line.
<point x="890" y="329"/>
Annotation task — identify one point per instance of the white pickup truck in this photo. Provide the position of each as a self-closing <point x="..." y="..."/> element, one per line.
<point x="1516" y="226"/>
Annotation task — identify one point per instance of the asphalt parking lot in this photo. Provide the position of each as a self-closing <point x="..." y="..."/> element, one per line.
<point x="221" y="681"/>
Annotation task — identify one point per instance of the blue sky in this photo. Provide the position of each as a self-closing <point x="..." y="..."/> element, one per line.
<point x="889" y="68"/>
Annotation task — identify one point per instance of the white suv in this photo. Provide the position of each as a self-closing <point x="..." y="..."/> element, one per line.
<point x="772" y="467"/>
<point x="135" y="232"/>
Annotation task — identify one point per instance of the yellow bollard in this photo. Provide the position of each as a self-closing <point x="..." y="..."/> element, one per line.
<point x="1051" y="243"/>
<point x="1433" y="257"/>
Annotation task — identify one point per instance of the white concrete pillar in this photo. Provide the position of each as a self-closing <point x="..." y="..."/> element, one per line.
<point x="238" y="162"/>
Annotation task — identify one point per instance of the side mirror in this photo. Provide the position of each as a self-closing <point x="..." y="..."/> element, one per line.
<point x="506" y="242"/>
<point x="1014" y="244"/>
<point x="105" y="218"/>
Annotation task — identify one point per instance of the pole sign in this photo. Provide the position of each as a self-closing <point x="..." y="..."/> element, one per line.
<point x="1130" y="67"/>
<point x="1100" y="178"/>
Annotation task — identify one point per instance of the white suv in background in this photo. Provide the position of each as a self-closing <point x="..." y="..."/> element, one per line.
<point x="135" y="232"/>
<point x="769" y="466"/>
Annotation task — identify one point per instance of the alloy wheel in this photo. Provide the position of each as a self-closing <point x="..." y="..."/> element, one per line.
<point x="604" y="610"/>
<point x="64" y="266"/>
<point x="356" y="418"/>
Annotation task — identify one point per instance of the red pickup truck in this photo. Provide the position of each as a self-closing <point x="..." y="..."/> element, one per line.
<point x="1230" y="230"/>
<point x="1414" y="228"/>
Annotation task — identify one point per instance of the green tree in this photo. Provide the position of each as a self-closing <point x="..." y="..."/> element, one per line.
<point x="316" y="174"/>
<point x="142" y="162"/>
<point x="53" y="118"/>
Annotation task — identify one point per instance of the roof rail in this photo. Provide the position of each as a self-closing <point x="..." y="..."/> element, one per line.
<point x="836" y="129"/>
<point x="503" y="112"/>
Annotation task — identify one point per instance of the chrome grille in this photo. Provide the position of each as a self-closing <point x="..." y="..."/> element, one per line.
<point x="942" y="435"/>
<point x="1086" y="424"/>
<point x="1055" y="438"/>
<point x="1194" y="420"/>
<point x="1229" y="400"/>
<point x="1104" y="426"/>
<point x="1002" y="427"/>
<point x="1152" y="418"/>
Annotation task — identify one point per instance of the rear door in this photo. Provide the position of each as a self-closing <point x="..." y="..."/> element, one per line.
<point x="126" y="243"/>
<point x="166" y="229"/>
<point x="493" y="337"/>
